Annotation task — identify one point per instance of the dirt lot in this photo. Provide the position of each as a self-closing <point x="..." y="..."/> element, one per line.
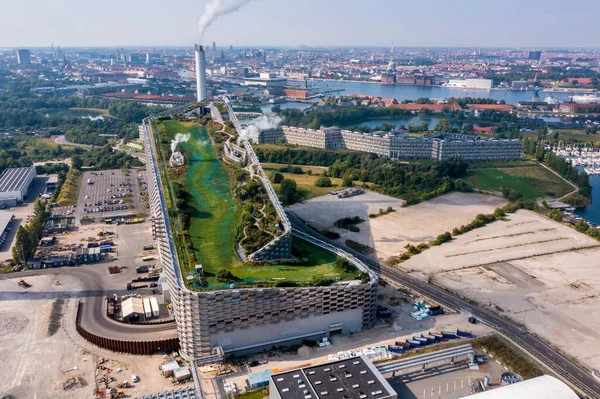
<point x="51" y="359"/>
<point x="400" y="327"/>
<point x="389" y="234"/>
<point x="532" y="269"/>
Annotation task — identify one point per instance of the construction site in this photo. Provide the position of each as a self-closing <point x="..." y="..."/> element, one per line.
<point x="539" y="272"/>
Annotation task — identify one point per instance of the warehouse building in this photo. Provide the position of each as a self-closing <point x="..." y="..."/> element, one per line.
<point x="132" y="309"/>
<point x="352" y="378"/>
<point x="15" y="182"/>
<point x="5" y="219"/>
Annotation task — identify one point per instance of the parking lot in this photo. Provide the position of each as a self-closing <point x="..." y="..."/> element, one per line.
<point x="111" y="193"/>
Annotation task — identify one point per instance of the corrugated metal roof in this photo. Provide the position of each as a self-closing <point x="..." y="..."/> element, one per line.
<point x="544" y="387"/>
<point x="14" y="179"/>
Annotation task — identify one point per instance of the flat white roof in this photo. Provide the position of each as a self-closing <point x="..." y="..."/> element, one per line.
<point x="544" y="387"/>
<point x="14" y="179"/>
<point x="5" y="218"/>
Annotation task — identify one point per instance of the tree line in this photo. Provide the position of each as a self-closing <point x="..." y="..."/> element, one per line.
<point x="28" y="236"/>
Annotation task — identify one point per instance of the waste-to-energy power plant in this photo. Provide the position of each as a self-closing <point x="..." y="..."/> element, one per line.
<point x="200" y="73"/>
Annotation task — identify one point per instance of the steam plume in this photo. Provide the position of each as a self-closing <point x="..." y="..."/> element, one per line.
<point x="179" y="138"/>
<point x="268" y="120"/>
<point x="215" y="9"/>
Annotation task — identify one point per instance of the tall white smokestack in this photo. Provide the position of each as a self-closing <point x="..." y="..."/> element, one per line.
<point x="200" y="74"/>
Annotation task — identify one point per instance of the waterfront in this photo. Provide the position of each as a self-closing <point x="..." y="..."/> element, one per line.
<point x="431" y="122"/>
<point x="406" y="92"/>
<point x="592" y="212"/>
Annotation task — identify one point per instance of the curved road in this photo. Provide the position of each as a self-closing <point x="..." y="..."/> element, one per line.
<point x="93" y="293"/>
<point x="558" y="363"/>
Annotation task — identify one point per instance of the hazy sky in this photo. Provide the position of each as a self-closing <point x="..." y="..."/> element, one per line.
<point x="484" y="23"/>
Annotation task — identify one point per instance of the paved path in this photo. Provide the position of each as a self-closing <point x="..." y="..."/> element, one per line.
<point x="567" y="181"/>
<point x="93" y="293"/>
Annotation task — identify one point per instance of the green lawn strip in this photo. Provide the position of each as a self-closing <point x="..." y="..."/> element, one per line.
<point x="532" y="181"/>
<point x="216" y="216"/>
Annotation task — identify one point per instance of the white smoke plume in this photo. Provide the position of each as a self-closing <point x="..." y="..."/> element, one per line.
<point x="215" y="9"/>
<point x="268" y="120"/>
<point x="179" y="138"/>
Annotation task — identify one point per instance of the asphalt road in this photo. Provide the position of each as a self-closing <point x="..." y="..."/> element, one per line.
<point x="93" y="293"/>
<point x="584" y="381"/>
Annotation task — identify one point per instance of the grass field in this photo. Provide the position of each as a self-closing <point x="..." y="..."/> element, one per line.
<point x="531" y="181"/>
<point x="579" y="135"/>
<point x="306" y="184"/>
<point x="315" y="169"/>
<point x="130" y="148"/>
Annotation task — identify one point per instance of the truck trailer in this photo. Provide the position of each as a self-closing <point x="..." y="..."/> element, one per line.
<point x="154" y="304"/>
<point x="147" y="308"/>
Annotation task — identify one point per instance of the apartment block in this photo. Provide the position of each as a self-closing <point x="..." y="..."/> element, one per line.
<point x="398" y="145"/>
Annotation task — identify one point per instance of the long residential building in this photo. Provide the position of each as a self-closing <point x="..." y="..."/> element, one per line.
<point x="397" y="145"/>
<point x="243" y="320"/>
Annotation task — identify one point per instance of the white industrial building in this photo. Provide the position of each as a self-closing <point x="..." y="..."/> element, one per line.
<point x="544" y="387"/>
<point x="484" y="84"/>
<point x="132" y="309"/>
<point x="15" y="182"/>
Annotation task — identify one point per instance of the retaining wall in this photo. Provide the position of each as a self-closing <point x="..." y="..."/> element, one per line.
<point x="133" y="347"/>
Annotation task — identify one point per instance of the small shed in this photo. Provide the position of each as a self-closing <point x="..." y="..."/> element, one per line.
<point x="261" y="379"/>
<point x="168" y="368"/>
<point x="133" y="308"/>
<point x="182" y="373"/>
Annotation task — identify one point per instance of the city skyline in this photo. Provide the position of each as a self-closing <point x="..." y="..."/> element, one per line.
<point x="336" y="24"/>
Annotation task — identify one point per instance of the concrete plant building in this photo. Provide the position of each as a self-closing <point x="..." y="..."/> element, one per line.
<point x="245" y="320"/>
<point x="398" y="145"/>
<point x="15" y="182"/>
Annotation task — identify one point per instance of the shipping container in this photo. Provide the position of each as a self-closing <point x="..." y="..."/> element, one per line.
<point x="448" y="334"/>
<point x="396" y="349"/>
<point x="430" y="339"/>
<point x="423" y="341"/>
<point x="155" y="309"/>
<point x="141" y="269"/>
<point x="466" y="334"/>
<point x="414" y="344"/>
<point x="113" y="269"/>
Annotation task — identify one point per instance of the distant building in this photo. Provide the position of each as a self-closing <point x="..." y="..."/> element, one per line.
<point x="494" y="107"/>
<point x="267" y="81"/>
<point x="534" y="56"/>
<point x="483" y="84"/>
<point x="388" y="78"/>
<point x="295" y="93"/>
<point x="519" y="84"/>
<point x="23" y="57"/>
<point x="214" y="47"/>
<point x="15" y="182"/>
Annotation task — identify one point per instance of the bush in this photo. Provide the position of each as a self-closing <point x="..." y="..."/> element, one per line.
<point x="323" y="182"/>
<point x="354" y="228"/>
<point x="442" y="238"/>
<point x="226" y="276"/>
<point x="277" y="177"/>
<point x="347" y="181"/>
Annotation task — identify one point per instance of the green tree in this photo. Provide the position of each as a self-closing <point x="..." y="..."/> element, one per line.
<point x="23" y="248"/>
<point x="323" y="182"/>
<point x="276" y="177"/>
<point x="581" y="226"/>
<point x="76" y="162"/>
<point x="288" y="193"/>
<point x="347" y="181"/>
<point x="443" y="126"/>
